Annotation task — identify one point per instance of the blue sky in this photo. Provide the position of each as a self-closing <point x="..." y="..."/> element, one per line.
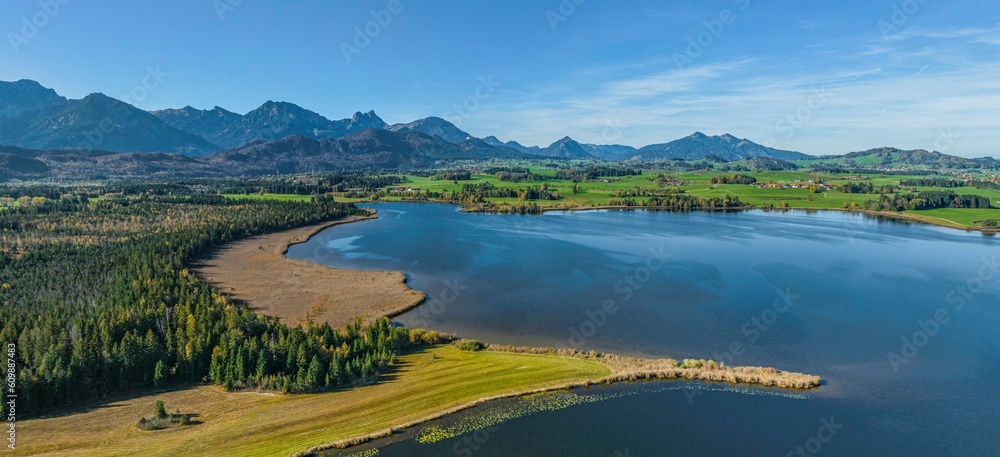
<point x="817" y="76"/>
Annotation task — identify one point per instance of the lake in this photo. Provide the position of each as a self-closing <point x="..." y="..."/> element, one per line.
<point x="901" y="320"/>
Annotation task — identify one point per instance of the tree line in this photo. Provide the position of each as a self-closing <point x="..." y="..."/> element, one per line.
<point x="932" y="182"/>
<point x="865" y="188"/>
<point x="682" y="202"/>
<point x="926" y="200"/>
<point x="734" y="179"/>
<point x="595" y="172"/>
<point x="96" y="295"/>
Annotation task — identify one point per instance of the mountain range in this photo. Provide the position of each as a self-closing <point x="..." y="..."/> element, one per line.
<point x="271" y="121"/>
<point x="36" y="117"/>
<point x="728" y="147"/>
<point x="47" y="135"/>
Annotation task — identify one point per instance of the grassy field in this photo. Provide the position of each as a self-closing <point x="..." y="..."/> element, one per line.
<point x="258" y="424"/>
<point x="598" y="192"/>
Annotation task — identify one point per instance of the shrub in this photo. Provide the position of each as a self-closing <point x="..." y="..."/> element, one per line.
<point x="692" y="363"/>
<point x="162" y="420"/>
<point x="469" y="345"/>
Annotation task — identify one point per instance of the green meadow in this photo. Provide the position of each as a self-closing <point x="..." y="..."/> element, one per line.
<point x="598" y="192"/>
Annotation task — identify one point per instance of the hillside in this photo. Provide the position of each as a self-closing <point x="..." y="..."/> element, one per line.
<point x="728" y="147"/>
<point x="368" y="149"/>
<point x="99" y="122"/>
<point x="888" y="157"/>
<point x="434" y="126"/>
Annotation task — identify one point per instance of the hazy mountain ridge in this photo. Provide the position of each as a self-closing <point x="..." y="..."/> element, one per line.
<point x="23" y="97"/>
<point x="367" y="149"/>
<point x="531" y="150"/>
<point x="567" y="148"/>
<point x="99" y="122"/>
<point x="434" y="126"/>
<point x="919" y="157"/>
<point x="726" y="146"/>
<point x="52" y="136"/>
<point x="204" y="123"/>
<point x="270" y="121"/>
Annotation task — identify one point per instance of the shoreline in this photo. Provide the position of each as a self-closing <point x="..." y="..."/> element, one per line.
<point x="317" y="229"/>
<point x="256" y="272"/>
<point x="624" y="370"/>
<point x="928" y="220"/>
<point x="620" y="369"/>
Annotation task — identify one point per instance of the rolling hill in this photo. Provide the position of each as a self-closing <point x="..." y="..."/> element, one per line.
<point x="367" y="149"/>
<point x="433" y="126"/>
<point x="728" y="147"/>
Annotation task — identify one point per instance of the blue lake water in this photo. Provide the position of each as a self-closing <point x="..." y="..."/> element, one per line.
<point x="826" y="293"/>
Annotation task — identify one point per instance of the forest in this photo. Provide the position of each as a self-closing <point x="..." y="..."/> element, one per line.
<point x="682" y="202"/>
<point x="733" y="179"/>
<point x="932" y="182"/>
<point x="594" y="172"/>
<point x="865" y="188"/>
<point x="96" y="295"/>
<point x="926" y="200"/>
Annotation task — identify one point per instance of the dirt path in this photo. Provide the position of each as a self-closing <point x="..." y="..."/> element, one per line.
<point x="257" y="272"/>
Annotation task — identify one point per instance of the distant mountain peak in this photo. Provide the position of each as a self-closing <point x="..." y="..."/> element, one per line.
<point x="25" y="96"/>
<point x="122" y="127"/>
<point x="361" y="121"/>
<point x="99" y="97"/>
<point x="493" y="139"/>
<point x="726" y="146"/>
<point x="434" y="126"/>
<point x="567" y="148"/>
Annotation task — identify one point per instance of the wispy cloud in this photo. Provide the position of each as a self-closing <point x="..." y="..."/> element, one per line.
<point x="901" y="92"/>
<point x="990" y="35"/>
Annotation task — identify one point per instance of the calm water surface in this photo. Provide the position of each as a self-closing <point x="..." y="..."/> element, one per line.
<point x="825" y="293"/>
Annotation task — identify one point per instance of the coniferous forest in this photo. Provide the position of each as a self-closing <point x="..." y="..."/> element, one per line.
<point x="96" y="296"/>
